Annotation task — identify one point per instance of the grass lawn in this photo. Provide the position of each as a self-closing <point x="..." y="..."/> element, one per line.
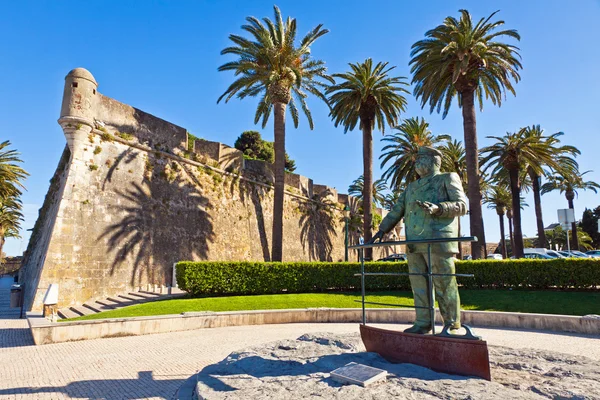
<point x="544" y="302"/>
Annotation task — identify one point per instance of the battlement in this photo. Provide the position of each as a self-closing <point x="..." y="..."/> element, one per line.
<point x="138" y="127"/>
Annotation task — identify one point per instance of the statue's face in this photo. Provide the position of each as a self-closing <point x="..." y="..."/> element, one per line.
<point x="425" y="165"/>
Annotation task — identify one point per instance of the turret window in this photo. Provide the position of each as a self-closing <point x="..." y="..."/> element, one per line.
<point x="74" y="84"/>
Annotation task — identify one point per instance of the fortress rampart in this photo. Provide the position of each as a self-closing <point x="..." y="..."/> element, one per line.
<point x="130" y="198"/>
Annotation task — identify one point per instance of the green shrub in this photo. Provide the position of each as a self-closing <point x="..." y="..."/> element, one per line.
<point x="247" y="277"/>
<point x="124" y="135"/>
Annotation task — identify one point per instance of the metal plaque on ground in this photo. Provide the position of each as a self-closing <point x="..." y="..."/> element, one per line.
<point x="358" y="374"/>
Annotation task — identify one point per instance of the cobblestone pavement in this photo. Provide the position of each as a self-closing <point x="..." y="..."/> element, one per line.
<point x="154" y="366"/>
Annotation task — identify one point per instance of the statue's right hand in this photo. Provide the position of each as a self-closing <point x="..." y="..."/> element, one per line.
<point x="377" y="236"/>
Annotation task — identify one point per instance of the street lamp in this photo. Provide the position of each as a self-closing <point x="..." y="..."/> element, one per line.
<point x="346" y="217"/>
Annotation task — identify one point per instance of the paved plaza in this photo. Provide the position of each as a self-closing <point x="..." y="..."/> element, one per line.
<point x="154" y="366"/>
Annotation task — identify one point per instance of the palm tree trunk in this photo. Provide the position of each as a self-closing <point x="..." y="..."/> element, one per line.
<point x="502" y="236"/>
<point x="516" y="210"/>
<point x="2" y="241"/>
<point x="574" y="238"/>
<point x="510" y="232"/>
<point x="472" y="161"/>
<point x="537" y="200"/>
<point x="368" y="185"/>
<point x="279" y="128"/>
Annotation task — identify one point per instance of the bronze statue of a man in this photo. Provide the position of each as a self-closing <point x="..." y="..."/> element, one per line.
<point x="430" y="207"/>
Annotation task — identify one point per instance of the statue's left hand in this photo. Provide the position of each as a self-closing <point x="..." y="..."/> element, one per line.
<point x="377" y="236"/>
<point x="430" y="208"/>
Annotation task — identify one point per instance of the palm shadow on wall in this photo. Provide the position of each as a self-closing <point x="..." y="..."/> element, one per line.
<point x="254" y="193"/>
<point x="317" y="226"/>
<point x="164" y="220"/>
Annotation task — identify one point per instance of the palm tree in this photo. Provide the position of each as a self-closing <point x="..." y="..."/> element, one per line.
<point x="10" y="219"/>
<point x="403" y="148"/>
<point x="367" y="96"/>
<point x="453" y="160"/>
<point x="282" y="73"/>
<point x="565" y="155"/>
<point x="356" y="189"/>
<point x="11" y="174"/>
<point x="512" y="153"/>
<point x="568" y="181"/>
<point x="498" y="198"/>
<point x="464" y="60"/>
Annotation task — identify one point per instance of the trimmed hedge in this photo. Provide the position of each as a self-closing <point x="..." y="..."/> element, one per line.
<point x="248" y="277"/>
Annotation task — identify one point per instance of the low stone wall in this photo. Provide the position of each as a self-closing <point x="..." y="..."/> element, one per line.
<point x="45" y="332"/>
<point x="10" y="265"/>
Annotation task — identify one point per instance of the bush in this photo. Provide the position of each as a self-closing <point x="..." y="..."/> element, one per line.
<point x="248" y="277"/>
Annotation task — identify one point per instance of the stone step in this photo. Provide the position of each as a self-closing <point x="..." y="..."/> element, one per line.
<point x="66" y="313"/>
<point x="141" y="295"/>
<point x="116" y="301"/>
<point x="129" y="298"/>
<point x="155" y="294"/>
<point x="98" y="307"/>
<point x="82" y="311"/>
<point x="109" y="305"/>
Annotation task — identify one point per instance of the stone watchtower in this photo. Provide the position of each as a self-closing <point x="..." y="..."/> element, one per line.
<point x="78" y="109"/>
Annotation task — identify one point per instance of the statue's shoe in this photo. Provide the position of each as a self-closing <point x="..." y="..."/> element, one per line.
<point x="453" y="327"/>
<point x="418" y="329"/>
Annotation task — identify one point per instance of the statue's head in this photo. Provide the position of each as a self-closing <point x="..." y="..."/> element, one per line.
<point x="429" y="161"/>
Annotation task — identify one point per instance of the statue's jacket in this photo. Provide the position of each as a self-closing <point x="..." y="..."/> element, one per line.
<point x="444" y="190"/>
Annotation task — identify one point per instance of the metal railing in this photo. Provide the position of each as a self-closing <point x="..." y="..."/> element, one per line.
<point x="429" y="274"/>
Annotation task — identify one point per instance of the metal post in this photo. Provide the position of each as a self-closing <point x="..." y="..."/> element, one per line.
<point x="430" y="289"/>
<point x="362" y="284"/>
<point x="568" y="244"/>
<point x="22" y="300"/>
<point x="346" y="240"/>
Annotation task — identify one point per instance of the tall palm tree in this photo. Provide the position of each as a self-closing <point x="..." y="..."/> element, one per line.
<point x="498" y="198"/>
<point x="454" y="160"/>
<point x="461" y="59"/>
<point x="272" y="65"/>
<point x="11" y="174"/>
<point x="368" y="96"/>
<point x="568" y="181"/>
<point x="356" y="189"/>
<point x="565" y="154"/>
<point x="513" y="153"/>
<point x="403" y="148"/>
<point x="10" y="219"/>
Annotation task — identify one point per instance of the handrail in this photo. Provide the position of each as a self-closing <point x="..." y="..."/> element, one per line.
<point x="429" y="274"/>
<point x="418" y="241"/>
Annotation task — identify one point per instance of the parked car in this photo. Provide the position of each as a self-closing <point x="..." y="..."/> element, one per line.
<point x="394" y="257"/>
<point x="494" y="256"/>
<point x="593" y="253"/>
<point x="538" y="256"/>
<point x="548" y="252"/>
<point x="467" y="257"/>
<point x="574" y="253"/>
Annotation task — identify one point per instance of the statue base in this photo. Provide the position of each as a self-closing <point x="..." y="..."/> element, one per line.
<point x="443" y="354"/>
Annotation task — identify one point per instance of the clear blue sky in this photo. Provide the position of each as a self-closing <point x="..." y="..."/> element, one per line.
<point x="162" y="57"/>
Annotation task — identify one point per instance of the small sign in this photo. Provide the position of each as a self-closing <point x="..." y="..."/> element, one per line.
<point x="358" y="374"/>
<point x="566" y="216"/>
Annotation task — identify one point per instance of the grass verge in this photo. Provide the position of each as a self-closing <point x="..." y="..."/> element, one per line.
<point x="544" y="302"/>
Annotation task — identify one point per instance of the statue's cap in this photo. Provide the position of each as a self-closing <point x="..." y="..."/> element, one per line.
<point x="429" y="151"/>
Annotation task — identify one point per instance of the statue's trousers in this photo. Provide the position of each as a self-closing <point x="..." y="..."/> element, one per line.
<point x="446" y="289"/>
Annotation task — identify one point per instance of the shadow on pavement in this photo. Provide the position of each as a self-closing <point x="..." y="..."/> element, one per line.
<point x="143" y="387"/>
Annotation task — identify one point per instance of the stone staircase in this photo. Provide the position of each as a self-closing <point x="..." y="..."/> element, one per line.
<point x="115" y="302"/>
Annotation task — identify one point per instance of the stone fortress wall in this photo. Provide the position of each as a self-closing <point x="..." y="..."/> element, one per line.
<point x="129" y="198"/>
